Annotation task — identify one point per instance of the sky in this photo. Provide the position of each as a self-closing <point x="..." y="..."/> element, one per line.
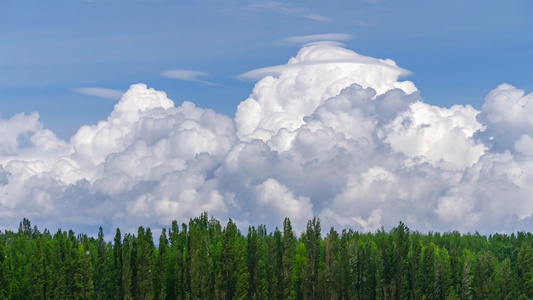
<point x="363" y="113"/>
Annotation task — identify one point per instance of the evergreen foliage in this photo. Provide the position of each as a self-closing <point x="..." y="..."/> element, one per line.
<point x="204" y="260"/>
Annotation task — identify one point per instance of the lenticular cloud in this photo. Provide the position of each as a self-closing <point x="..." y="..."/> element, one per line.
<point x="331" y="134"/>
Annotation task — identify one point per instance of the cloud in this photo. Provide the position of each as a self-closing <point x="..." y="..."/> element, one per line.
<point x="100" y="92"/>
<point x="184" y="74"/>
<point x="328" y="54"/>
<point x="347" y="142"/>
<point x="286" y="9"/>
<point x="507" y="114"/>
<point x="317" y="73"/>
<point x="189" y="75"/>
<point x="304" y="39"/>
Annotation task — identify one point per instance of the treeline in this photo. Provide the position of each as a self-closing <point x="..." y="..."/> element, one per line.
<point x="204" y="260"/>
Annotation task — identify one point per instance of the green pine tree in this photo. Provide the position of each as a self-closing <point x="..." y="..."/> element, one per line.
<point x="287" y="260"/>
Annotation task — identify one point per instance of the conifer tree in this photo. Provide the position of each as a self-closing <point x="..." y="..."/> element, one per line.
<point x="445" y="275"/>
<point x="243" y="275"/>
<point x="59" y="261"/>
<point x="289" y="251"/>
<point x="507" y="285"/>
<point x="224" y="264"/>
<point x="487" y="280"/>
<point x="261" y="279"/>
<point x="199" y="265"/>
<point x="276" y="258"/>
<point x="72" y="246"/>
<point x="38" y="272"/>
<point x="50" y="275"/>
<point x="117" y="256"/>
<point x="525" y="271"/>
<point x="332" y="280"/>
<point x="310" y="275"/>
<point x="145" y="288"/>
<point x="161" y="280"/>
<point x="384" y="266"/>
<point x="176" y="282"/>
<point x="99" y="281"/>
<point x="414" y="265"/>
<point x="429" y="273"/>
<point x="466" y="281"/>
<point x="84" y="286"/>
<point x="344" y="261"/>
<point x="20" y="286"/>
<point x="127" y="267"/>
<point x="381" y="288"/>
<point x="299" y="269"/>
<point x="401" y="263"/>
<point x="183" y="276"/>
<point x="252" y="240"/>
<point x="229" y="267"/>
<point x="4" y="284"/>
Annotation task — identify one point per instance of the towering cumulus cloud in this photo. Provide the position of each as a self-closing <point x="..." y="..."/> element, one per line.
<point x="331" y="134"/>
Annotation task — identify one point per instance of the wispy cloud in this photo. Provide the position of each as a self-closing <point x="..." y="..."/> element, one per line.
<point x="304" y="39"/>
<point x="189" y="75"/>
<point x="100" y="92"/>
<point x="286" y="9"/>
<point x="276" y="70"/>
<point x="322" y="60"/>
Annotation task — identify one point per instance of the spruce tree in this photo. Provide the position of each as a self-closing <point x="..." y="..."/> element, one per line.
<point x="145" y="288"/>
<point x="160" y="282"/>
<point x="38" y="272"/>
<point x="289" y="252"/>
<point x="99" y="277"/>
<point x="525" y="271"/>
<point x="243" y="275"/>
<point x="199" y="265"/>
<point x="401" y="263"/>
<point x="507" y="286"/>
<point x="276" y="258"/>
<point x="331" y="272"/>
<point x="117" y="258"/>
<point x="128" y="262"/>
<point x="229" y="267"/>
<point x="466" y="280"/>
<point x="4" y="284"/>
<point x="83" y="279"/>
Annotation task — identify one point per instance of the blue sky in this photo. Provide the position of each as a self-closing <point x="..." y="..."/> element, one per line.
<point x="142" y="112"/>
<point x="457" y="50"/>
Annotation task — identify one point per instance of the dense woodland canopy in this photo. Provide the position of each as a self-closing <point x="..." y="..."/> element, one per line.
<point x="204" y="260"/>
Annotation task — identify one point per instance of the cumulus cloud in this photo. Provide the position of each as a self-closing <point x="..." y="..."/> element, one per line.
<point x="316" y="74"/>
<point x="100" y="92"/>
<point x="331" y="134"/>
<point x="507" y="114"/>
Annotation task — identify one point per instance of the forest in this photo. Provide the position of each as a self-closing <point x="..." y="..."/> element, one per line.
<point x="202" y="259"/>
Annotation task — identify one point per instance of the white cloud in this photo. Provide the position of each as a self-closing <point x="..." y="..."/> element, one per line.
<point x="331" y="55"/>
<point x="440" y="136"/>
<point x="100" y="92"/>
<point x="317" y="73"/>
<point x="304" y="39"/>
<point x="185" y="74"/>
<point x="274" y="200"/>
<point x="507" y="114"/>
<point x="188" y="75"/>
<point x="347" y="142"/>
<point x="286" y="9"/>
